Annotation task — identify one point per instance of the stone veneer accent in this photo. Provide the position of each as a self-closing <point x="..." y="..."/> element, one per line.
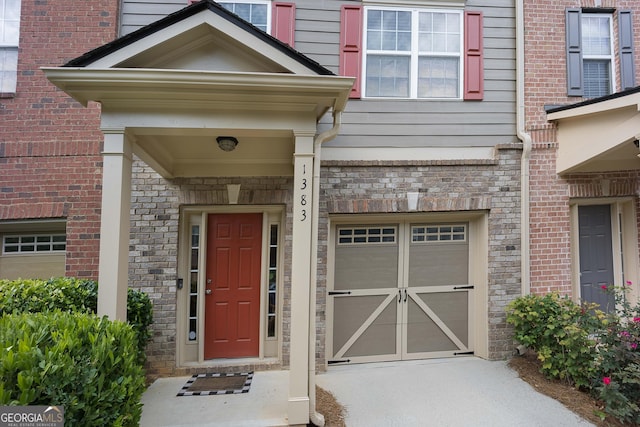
<point x="346" y="187"/>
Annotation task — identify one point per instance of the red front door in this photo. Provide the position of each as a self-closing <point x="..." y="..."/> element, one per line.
<point x="232" y="308"/>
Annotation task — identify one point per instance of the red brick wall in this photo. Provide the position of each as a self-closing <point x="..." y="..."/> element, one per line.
<point x="49" y="144"/>
<point x="545" y="84"/>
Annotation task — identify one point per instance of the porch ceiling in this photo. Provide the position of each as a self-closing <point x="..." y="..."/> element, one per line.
<point x="599" y="136"/>
<point x="174" y="116"/>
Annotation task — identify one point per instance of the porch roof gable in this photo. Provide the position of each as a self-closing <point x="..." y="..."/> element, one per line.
<point x="598" y="135"/>
<point x="208" y="13"/>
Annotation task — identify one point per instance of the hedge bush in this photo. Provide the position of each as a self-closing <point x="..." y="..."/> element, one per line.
<point x="597" y="352"/>
<point x="560" y="331"/>
<point x="37" y="296"/>
<point x="76" y="296"/>
<point x="87" y="364"/>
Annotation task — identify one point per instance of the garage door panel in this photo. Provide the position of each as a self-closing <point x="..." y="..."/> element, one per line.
<point x="351" y="313"/>
<point x="379" y="338"/>
<point x="423" y="334"/>
<point x="366" y="267"/>
<point x="438" y="264"/>
<point x="452" y="309"/>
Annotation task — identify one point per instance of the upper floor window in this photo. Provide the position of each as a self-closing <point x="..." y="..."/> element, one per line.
<point x="275" y="18"/>
<point x="9" y="36"/>
<point x="597" y="60"/>
<point x="257" y="13"/>
<point x="592" y="47"/>
<point x="413" y="53"/>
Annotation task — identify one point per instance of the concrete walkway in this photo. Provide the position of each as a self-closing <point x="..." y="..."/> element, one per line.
<point x="442" y="392"/>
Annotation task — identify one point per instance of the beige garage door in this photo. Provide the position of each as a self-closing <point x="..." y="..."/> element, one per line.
<point x="400" y="291"/>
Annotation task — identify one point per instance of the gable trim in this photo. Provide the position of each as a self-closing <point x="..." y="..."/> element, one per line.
<point x="195" y="8"/>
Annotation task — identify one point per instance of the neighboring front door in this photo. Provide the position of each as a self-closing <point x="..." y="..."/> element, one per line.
<point x="596" y="255"/>
<point x="232" y="294"/>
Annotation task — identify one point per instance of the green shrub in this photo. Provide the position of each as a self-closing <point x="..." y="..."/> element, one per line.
<point x="561" y="332"/>
<point x="596" y="351"/>
<point x="87" y="364"/>
<point x="76" y="296"/>
<point x="37" y="296"/>
<point x="140" y="316"/>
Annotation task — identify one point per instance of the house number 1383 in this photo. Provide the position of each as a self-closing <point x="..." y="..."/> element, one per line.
<point x="304" y="187"/>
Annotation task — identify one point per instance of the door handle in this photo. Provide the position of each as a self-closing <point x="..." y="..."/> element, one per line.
<point x="405" y="295"/>
<point x="208" y="291"/>
<point x="399" y="296"/>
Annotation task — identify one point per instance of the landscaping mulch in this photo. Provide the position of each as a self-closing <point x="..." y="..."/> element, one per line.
<point x="580" y="403"/>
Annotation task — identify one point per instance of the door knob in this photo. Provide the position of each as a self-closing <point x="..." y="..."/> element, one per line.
<point x="208" y="291"/>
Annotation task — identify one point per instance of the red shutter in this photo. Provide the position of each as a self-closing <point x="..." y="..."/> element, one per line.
<point x="351" y="45"/>
<point x="473" y="56"/>
<point x="283" y="18"/>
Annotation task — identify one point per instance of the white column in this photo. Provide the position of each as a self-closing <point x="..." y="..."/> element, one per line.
<point x="298" y="411"/>
<point x="113" y="272"/>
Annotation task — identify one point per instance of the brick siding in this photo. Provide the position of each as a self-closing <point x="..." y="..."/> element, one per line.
<point x="50" y="144"/>
<point x="545" y="85"/>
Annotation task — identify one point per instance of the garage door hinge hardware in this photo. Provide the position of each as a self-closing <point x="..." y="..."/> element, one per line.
<point x="463" y="353"/>
<point x="339" y="292"/>
<point x="333" y="362"/>
<point x="462" y="287"/>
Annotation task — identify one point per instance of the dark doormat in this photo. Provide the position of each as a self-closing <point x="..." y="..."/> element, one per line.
<point x="216" y="383"/>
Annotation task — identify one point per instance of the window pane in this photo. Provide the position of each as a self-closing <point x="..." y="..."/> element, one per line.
<point x="195" y="236"/>
<point x="438" y="77"/>
<point x="388" y="76"/>
<point x="388" y="30"/>
<point x="597" y="78"/>
<point x="194" y="259"/>
<point x="8" y="69"/>
<point x="11" y="10"/>
<point x="192" y="329"/>
<point x="271" y="326"/>
<point x="193" y="285"/>
<point x="439" y="32"/>
<point x="254" y="13"/>
<point x="596" y="37"/>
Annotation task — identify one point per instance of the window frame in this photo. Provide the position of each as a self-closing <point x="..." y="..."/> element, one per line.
<point x="414" y="53"/>
<point x="267" y="3"/>
<point x="6" y="46"/>
<point x="36" y="243"/>
<point x="595" y="57"/>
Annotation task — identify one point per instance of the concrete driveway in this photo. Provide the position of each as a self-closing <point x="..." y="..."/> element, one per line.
<point x="443" y="392"/>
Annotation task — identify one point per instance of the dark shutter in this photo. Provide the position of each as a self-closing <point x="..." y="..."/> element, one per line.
<point x="627" y="71"/>
<point x="351" y="45"/>
<point x="283" y="18"/>
<point x="473" y="56"/>
<point x="574" y="52"/>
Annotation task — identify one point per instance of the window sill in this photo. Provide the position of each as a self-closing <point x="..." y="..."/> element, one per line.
<point x="7" y="95"/>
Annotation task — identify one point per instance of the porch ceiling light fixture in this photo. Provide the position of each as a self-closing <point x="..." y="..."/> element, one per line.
<point x="227" y="143"/>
